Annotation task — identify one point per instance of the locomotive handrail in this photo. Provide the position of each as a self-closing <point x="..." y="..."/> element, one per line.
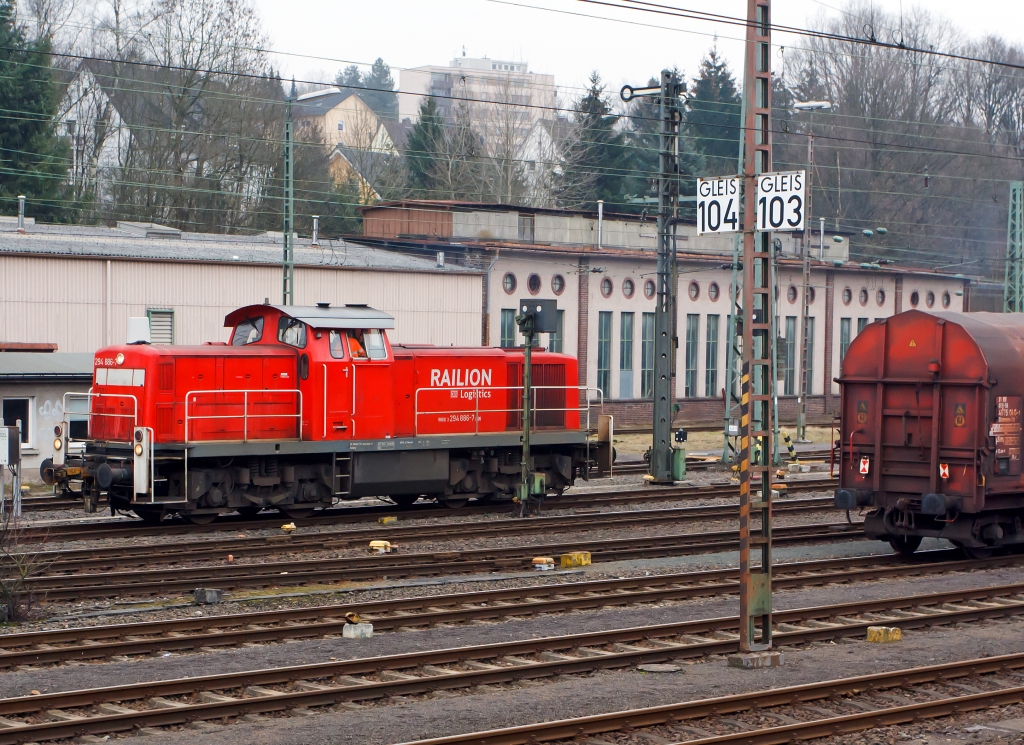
<point x="244" y="416"/>
<point x="476" y="390"/>
<point x="88" y="396"/>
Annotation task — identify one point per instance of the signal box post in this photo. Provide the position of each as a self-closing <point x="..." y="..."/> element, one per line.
<point x="535" y="317"/>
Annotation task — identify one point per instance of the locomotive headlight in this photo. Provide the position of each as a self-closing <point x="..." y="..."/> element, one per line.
<point x="138" y="449"/>
<point x="57" y="444"/>
<point x="119" y="359"/>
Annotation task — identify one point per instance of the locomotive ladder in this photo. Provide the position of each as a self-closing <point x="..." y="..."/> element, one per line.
<point x="342" y="470"/>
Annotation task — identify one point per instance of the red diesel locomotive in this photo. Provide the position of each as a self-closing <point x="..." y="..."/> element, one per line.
<point x="931" y="429"/>
<point x="305" y="405"/>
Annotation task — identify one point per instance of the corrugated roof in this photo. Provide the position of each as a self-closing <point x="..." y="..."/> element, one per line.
<point x="103" y="242"/>
<point x="34" y="365"/>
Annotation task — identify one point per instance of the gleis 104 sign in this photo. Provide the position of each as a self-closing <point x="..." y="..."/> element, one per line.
<point x="718" y="205"/>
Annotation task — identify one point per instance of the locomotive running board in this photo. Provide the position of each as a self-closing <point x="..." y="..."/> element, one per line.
<point x="435" y="442"/>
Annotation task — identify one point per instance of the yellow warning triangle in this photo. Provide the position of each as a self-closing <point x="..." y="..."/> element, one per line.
<point x="913" y="343"/>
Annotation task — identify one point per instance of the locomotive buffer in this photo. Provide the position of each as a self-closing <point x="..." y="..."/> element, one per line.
<point x="535" y="317"/>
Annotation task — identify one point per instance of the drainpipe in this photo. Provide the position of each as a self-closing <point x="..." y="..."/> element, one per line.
<point x="600" y="222"/>
<point x="21" y="213"/>
<point x="109" y="319"/>
<point x="486" y="340"/>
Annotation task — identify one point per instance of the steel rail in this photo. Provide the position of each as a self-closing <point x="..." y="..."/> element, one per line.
<point x="362" y="568"/>
<point x="790" y="696"/>
<point x="98" y="642"/>
<point x="149" y="554"/>
<point x="333" y="516"/>
<point x="74" y="713"/>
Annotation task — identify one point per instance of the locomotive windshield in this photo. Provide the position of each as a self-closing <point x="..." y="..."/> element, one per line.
<point x="337" y="348"/>
<point x="367" y="344"/>
<point x="291" y="331"/>
<point x="248" y="331"/>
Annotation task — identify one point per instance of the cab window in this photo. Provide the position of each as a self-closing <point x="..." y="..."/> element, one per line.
<point x="337" y="347"/>
<point x="367" y="344"/>
<point x="291" y="331"/>
<point x="248" y="331"/>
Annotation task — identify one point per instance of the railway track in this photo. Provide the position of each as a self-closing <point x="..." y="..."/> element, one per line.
<point x="110" y="710"/>
<point x="589" y="500"/>
<point x="158" y="637"/>
<point x="795" y="713"/>
<point x="170" y="581"/>
<point x="154" y="554"/>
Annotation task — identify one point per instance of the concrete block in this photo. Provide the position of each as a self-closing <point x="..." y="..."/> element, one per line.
<point x="754" y="660"/>
<point x="387" y="520"/>
<point x="884" y="634"/>
<point x="1010" y="725"/>
<point x="659" y="667"/>
<point x="357" y="631"/>
<point x="208" y="596"/>
<point x="575" y="559"/>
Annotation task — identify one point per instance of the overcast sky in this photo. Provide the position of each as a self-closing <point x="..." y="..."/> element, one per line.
<point x="567" y="39"/>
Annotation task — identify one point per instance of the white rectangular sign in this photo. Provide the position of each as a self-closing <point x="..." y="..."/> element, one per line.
<point x="5" y="447"/>
<point x="718" y="205"/>
<point x="780" y="201"/>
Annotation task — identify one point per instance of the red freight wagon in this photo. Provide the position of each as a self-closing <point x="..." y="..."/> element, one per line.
<point x="931" y="429"/>
<point x="305" y="405"/>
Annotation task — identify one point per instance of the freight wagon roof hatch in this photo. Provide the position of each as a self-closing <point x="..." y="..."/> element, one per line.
<point x="318" y="317"/>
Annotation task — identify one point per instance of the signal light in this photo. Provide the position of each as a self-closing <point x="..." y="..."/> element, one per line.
<point x="138" y="435"/>
<point x="56" y="431"/>
<point x="138" y="450"/>
<point x="57" y="444"/>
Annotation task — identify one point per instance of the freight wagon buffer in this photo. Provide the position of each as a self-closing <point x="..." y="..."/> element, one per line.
<point x="931" y="429"/>
<point x="308" y="404"/>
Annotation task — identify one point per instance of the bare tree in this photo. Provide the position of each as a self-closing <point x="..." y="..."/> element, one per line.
<point x="20" y="561"/>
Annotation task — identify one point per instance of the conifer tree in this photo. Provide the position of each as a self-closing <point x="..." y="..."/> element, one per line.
<point x="604" y="171"/>
<point x="713" y="113"/>
<point x="33" y="159"/>
<point x="426" y="140"/>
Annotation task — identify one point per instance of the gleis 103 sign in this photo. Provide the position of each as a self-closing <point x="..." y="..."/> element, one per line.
<point x="718" y="205"/>
<point x="780" y="201"/>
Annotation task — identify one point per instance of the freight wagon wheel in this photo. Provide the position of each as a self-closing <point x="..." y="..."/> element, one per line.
<point x="973" y="552"/>
<point x="201" y="518"/>
<point x="405" y="501"/>
<point x="297" y="513"/>
<point x="905" y="545"/>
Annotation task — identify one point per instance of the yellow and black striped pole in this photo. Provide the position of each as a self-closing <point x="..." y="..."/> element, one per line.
<point x="789" y="445"/>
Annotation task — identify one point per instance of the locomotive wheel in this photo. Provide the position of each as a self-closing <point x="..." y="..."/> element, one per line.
<point x="201" y="518"/>
<point x="452" y="501"/>
<point x="405" y="501"/>
<point x="905" y="545"/>
<point x="297" y="513"/>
